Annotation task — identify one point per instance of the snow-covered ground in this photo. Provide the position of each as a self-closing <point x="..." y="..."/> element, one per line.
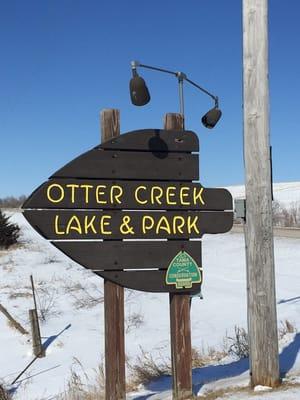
<point x="74" y="332"/>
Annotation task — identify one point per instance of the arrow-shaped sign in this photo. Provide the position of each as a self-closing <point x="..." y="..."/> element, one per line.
<point x="138" y="187"/>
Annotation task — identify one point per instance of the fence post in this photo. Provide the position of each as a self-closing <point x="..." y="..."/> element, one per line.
<point x="37" y="347"/>
<point x="115" y="387"/>
<point x="180" y="325"/>
<point x="35" y="334"/>
<point x="11" y="319"/>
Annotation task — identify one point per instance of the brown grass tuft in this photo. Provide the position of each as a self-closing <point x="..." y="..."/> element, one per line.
<point x="3" y="394"/>
<point x="79" y="386"/>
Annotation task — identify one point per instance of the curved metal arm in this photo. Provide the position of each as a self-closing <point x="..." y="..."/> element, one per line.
<point x="135" y="64"/>
<point x="181" y="76"/>
<point x="216" y="99"/>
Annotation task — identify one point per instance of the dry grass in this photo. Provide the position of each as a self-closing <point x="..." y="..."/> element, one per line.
<point x="51" y="259"/>
<point x="238" y="345"/>
<point x="12" y="323"/>
<point x="80" y="386"/>
<point x="200" y="358"/>
<point x="47" y="297"/>
<point x="133" y="322"/>
<point x="146" y="369"/>
<point x="16" y="295"/>
<point x="83" y="298"/>
<point x="3" y="394"/>
<point x="285" y="327"/>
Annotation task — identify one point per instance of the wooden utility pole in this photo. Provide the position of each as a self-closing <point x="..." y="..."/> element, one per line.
<point x="262" y="318"/>
<point x="115" y="387"/>
<point x="180" y="324"/>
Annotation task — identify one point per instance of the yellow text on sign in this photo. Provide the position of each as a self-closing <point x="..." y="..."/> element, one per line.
<point x="112" y="194"/>
<point x="125" y="225"/>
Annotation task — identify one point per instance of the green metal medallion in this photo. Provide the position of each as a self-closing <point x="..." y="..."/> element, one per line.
<point x="183" y="271"/>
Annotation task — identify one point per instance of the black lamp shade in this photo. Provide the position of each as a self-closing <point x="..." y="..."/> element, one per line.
<point x="210" y="119"/>
<point x="139" y="92"/>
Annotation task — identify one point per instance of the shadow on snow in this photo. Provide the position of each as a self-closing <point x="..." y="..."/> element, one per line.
<point x="288" y="355"/>
<point x="50" y="339"/>
<point x="291" y="300"/>
<point x="213" y="373"/>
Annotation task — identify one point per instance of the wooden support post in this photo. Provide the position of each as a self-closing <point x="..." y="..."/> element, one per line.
<point x="11" y="319"/>
<point x="180" y="324"/>
<point x="115" y="387"/>
<point x="262" y="318"/>
<point x="37" y="347"/>
<point x="35" y="334"/>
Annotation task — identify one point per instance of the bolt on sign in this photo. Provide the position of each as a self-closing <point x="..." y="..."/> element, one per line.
<point x="128" y="208"/>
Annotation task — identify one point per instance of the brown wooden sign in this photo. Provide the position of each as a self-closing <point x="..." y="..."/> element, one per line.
<point x="127" y="208"/>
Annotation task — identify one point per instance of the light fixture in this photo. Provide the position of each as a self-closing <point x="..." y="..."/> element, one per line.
<point x="139" y="92"/>
<point x="140" y="95"/>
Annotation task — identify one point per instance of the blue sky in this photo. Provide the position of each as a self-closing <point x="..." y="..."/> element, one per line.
<point x="63" y="61"/>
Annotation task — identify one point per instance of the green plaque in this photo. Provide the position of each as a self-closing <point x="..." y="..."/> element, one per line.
<point x="183" y="271"/>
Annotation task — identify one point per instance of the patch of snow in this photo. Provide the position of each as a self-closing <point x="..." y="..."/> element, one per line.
<point x="260" y="388"/>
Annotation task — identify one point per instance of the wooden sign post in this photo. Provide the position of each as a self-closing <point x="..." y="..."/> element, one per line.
<point x="115" y="384"/>
<point x="180" y="324"/>
<point x="141" y="185"/>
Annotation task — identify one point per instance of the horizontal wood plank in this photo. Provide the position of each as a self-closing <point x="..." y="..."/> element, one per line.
<point x="58" y="224"/>
<point x="155" y="140"/>
<point x="105" y="194"/>
<point x="119" y="255"/>
<point x="147" y="281"/>
<point x="110" y="164"/>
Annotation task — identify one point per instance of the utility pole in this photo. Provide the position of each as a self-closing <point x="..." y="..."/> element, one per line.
<point x="262" y="318"/>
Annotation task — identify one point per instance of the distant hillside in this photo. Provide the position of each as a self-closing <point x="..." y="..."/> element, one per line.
<point x="285" y="193"/>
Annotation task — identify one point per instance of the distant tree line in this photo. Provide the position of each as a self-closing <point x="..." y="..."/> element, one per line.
<point x="288" y="217"/>
<point x="283" y="216"/>
<point x="12" y="202"/>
